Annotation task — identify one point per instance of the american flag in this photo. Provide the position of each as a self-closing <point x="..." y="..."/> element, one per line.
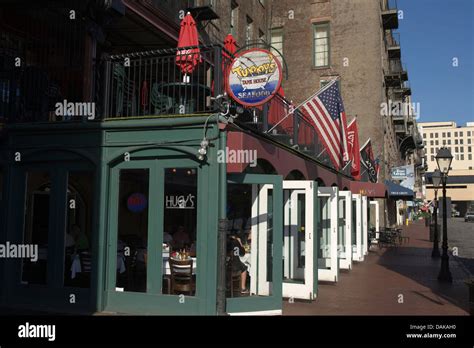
<point x="326" y="111"/>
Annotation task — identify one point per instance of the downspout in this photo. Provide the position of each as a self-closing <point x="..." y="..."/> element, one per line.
<point x="222" y="229"/>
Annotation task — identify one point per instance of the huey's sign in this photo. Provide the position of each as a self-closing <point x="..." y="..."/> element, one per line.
<point x="254" y="77"/>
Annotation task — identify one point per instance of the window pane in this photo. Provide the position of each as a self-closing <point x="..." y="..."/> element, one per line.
<point x="321" y="45"/>
<point x="324" y="233"/>
<point x="37" y="225"/>
<point x="249" y="261"/>
<point x="132" y="225"/>
<point x="78" y="238"/>
<point x="180" y="231"/>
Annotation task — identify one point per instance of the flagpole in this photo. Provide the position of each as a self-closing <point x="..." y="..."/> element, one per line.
<point x="300" y="104"/>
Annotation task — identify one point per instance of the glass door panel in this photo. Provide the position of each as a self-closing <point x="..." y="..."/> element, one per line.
<point x="357" y="208"/>
<point x="345" y="213"/>
<point x="299" y="240"/>
<point x="328" y="265"/>
<point x="254" y="212"/>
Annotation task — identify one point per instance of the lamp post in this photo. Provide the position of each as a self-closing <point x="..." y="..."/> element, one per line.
<point x="444" y="159"/>
<point x="436" y="179"/>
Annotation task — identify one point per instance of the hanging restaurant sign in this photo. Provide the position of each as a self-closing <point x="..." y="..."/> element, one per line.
<point x="254" y="77"/>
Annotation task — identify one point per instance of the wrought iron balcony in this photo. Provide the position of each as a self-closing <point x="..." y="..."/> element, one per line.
<point x="395" y="74"/>
<point x="392" y="41"/>
<point x="390" y="14"/>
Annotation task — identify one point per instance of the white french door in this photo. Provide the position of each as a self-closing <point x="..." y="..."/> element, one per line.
<point x="375" y="205"/>
<point x="365" y="230"/>
<point x="298" y="240"/>
<point x="345" y="230"/>
<point x="328" y="265"/>
<point x="261" y="253"/>
<point x="357" y="254"/>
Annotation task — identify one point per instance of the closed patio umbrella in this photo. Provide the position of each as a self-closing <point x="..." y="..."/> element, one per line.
<point x="188" y="58"/>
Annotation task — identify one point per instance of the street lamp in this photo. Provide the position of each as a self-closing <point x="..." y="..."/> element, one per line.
<point x="436" y="179"/>
<point x="444" y="159"/>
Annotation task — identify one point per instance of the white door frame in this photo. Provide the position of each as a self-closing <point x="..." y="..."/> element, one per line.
<point x="365" y="230"/>
<point x="299" y="187"/>
<point x="345" y="257"/>
<point x="330" y="274"/>
<point x="259" y="249"/>
<point x="357" y="254"/>
<point x="377" y="221"/>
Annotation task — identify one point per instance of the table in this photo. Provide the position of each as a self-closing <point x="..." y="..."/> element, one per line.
<point x="184" y="94"/>
<point x="166" y="265"/>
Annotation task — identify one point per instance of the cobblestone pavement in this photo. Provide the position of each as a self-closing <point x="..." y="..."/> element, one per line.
<point x="373" y="287"/>
<point x="461" y="236"/>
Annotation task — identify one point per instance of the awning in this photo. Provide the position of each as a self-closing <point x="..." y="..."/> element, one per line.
<point x="398" y="191"/>
<point x="369" y="189"/>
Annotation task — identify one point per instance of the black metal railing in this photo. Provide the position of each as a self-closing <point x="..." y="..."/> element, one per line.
<point x="392" y="39"/>
<point x="163" y="82"/>
<point x="388" y="5"/>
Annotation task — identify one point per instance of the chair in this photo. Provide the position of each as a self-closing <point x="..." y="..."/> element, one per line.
<point x="232" y="277"/>
<point x="181" y="276"/>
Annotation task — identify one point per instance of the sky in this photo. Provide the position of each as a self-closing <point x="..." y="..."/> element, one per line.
<point x="432" y="34"/>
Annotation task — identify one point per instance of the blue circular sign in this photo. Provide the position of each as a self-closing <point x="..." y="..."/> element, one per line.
<point x="137" y="202"/>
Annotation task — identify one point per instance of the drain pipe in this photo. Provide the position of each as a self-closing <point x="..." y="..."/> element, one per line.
<point x="222" y="228"/>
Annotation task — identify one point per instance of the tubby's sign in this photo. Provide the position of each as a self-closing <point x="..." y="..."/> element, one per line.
<point x="254" y="77"/>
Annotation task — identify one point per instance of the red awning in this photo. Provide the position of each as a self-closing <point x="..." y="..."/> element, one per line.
<point x="368" y="189"/>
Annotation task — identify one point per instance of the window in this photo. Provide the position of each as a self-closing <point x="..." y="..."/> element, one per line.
<point x="468" y="141"/>
<point x="432" y="158"/>
<point x="261" y="35"/>
<point x="444" y="142"/>
<point x="432" y="150"/>
<point x="456" y="149"/>
<point x="462" y="157"/>
<point x="234" y="14"/>
<point x="461" y="141"/>
<point x="455" y="134"/>
<point x="431" y="142"/>
<point x="180" y="230"/>
<point x="321" y="45"/>
<point x="249" y="30"/>
<point x="436" y="142"/>
<point x="424" y="136"/>
<point x="469" y="149"/>
<point x="455" y="141"/>
<point x="436" y="135"/>
<point x="133" y="216"/>
<point x="461" y="149"/>
<point x="276" y="40"/>
<point x="468" y="133"/>
<point x="461" y="134"/>
<point x="469" y="157"/>
<point x="449" y="141"/>
<point x="444" y="135"/>
<point x="449" y="134"/>
<point x="262" y="2"/>
<point x="431" y="135"/>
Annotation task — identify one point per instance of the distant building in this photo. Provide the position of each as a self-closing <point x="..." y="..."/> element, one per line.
<point x="460" y="141"/>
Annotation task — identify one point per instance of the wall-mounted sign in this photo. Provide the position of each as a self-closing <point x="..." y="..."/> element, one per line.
<point x="254" y="77"/>
<point x="399" y="173"/>
<point x="180" y="202"/>
<point x="137" y="202"/>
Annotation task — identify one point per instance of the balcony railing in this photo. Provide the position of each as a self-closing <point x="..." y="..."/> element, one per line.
<point x="151" y="84"/>
<point x="390" y="14"/>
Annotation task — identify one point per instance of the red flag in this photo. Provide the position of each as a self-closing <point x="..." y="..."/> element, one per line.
<point x="326" y="112"/>
<point x="187" y="59"/>
<point x="353" y="148"/>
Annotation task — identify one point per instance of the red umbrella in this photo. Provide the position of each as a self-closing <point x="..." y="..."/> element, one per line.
<point x="230" y="46"/>
<point x="187" y="59"/>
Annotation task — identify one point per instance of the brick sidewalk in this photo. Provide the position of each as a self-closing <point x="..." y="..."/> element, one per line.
<point x="373" y="287"/>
